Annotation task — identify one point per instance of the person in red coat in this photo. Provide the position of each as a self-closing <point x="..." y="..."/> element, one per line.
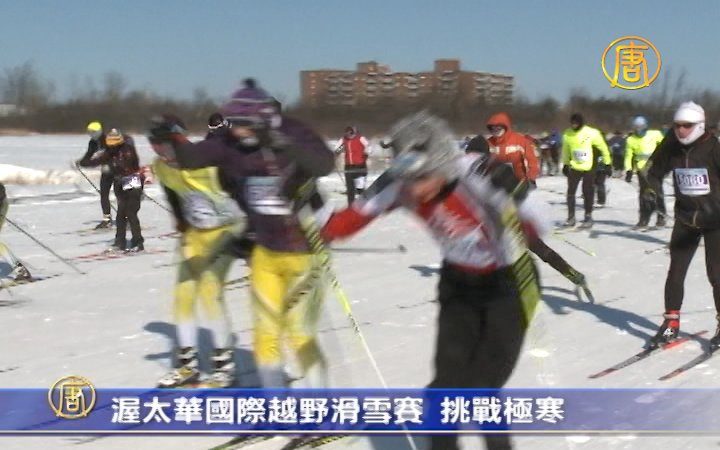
<point x="513" y="148"/>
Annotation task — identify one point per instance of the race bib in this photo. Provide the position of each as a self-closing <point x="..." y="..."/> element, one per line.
<point x="204" y="213"/>
<point x="131" y="182"/>
<point x="359" y="182"/>
<point x="263" y="196"/>
<point x="692" y="182"/>
<point x="582" y="156"/>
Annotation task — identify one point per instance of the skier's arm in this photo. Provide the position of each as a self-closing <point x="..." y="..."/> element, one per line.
<point x="91" y="149"/>
<point x="174" y="200"/>
<point x="658" y="166"/>
<point x="383" y="197"/>
<point x="366" y="145"/>
<point x="95" y="159"/>
<point x="629" y="154"/>
<point x="565" y="153"/>
<point x="601" y="145"/>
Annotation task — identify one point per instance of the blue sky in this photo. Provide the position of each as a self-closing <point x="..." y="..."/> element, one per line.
<point x="171" y="47"/>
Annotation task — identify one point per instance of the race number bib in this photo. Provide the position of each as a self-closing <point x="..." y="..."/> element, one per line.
<point x="131" y="182"/>
<point x="360" y="182"/>
<point x="582" y="156"/>
<point x="263" y="196"/>
<point x="692" y="182"/>
<point x="201" y="212"/>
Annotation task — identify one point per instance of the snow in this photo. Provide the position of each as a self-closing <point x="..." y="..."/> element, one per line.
<point x="113" y="325"/>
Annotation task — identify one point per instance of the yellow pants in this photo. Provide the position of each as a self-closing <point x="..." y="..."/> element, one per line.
<point x="201" y="276"/>
<point x="287" y="295"/>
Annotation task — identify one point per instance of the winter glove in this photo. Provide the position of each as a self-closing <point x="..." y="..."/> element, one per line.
<point x="606" y="169"/>
<point x="649" y="196"/>
<point x="566" y="170"/>
<point x="628" y="176"/>
<point x="166" y="128"/>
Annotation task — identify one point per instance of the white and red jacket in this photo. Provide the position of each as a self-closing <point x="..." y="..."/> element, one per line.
<point x="356" y="150"/>
<point x="470" y="220"/>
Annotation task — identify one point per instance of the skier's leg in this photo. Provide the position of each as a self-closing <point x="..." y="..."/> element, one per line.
<point x="350" y="186"/>
<point x="134" y="197"/>
<point x="684" y="242"/>
<point x="268" y="287"/>
<point x="573" y="180"/>
<point x="588" y="188"/>
<point x="304" y="300"/>
<point x="645" y="209"/>
<point x="106" y="182"/>
<point x="120" y="217"/>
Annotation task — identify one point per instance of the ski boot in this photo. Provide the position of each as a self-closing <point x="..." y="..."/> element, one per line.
<point x="20" y="273"/>
<point x="715" y="340"/>
<point x="105" y="223"/>
<point x="661" y="221"/>
<point x="569" y="223"/>
<point x="587" y="223"/>
<point x="116" y="247"/>
<point x="642" y="225"/>
<point x="223" y="375"/>
<point x="186" y="374"/>
<point x="137" y="248"/>
<point x="669" y="329"/>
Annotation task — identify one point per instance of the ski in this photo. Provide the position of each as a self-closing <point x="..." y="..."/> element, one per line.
<point x="33" y="279"/>
<point x="689" y="365"/>
<point x="104" y="255"/>
<point x="646" y="353"/>
<point x="241" y="441"/>
<point x="313" y="442"/>
<point x="584" y="289"/>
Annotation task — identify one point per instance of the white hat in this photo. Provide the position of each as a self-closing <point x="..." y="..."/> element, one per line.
<point x="689" y="112"/>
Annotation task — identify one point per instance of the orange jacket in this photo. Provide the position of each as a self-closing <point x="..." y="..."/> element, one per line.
<point x="514" y="148"/>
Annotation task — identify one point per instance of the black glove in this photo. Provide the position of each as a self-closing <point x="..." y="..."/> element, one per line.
<point x="628" y="176"/>
<point x="166" y="128"/>
<point x="566" y="170"/>
<point x="607" y="169"/>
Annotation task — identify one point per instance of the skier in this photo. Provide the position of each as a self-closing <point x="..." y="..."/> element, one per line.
<point x="120" y="155"/>
<point x="208" y="219"/>
<point x="617" y="150"/>
<point x="513" y="148"/>
<point x="488" y="285"/>
<point x="639" y="146"/>
<point x="356" y="149"/>
<point x="536" y="245"/>
<point x="267" y="158"/>
<point x="18" y="271"/>
<point x="693" y="155"/>
<point x="602" y="172"/>
<point x="577" y="153"/>
<point x="217" y="125"/>
<point x="96" y="144"/>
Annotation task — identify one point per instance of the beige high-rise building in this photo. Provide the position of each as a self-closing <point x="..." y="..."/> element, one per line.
<point x="371" y="82"/>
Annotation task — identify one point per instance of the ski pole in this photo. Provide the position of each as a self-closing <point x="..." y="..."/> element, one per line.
<point x="82" y="172"/>
<point x="572" y="244"/>
<point x="155" y="201"/>
<point x="312" y="232"/>
<point x="68" y="263"/>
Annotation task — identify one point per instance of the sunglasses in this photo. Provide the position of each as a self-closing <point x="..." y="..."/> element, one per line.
<point x="495" y="127"/>
<point x="685" y="126"/>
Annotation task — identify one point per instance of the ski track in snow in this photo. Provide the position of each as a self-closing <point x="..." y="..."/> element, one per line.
<point x="114" y="324"/>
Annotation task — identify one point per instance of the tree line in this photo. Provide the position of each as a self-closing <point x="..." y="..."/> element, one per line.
<point x="111" y="100"/>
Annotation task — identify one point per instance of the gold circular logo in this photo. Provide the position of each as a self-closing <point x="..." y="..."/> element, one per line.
<point x="628" y="63"/>
<point x="72" y="397"/>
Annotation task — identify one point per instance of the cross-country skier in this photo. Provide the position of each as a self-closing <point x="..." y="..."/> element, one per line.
<point x="208" y="220"/>
<point x="488" y="285"/>
<point x="693" y="156"/>
<point x="513" y="148"/>
<point x="617" y="150"/>
<point x="18" y="271"/>
<point x="639" y="146"/>
<point x="267" y="158"/>
<point x="122" y="158"/>
<point x="578" y="143"/>
<point x="356" y="149"/>
<point x="96" y="144"/>
<point x="602" y="172"/>
<point x="479" y="145"/>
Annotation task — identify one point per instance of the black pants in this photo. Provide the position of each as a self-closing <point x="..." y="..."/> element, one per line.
<point x="600" y="178"/>
<point x="646" y="209"/>
<point x="352" y="173"/>
<point x="127" y="212"/>
<point x="683" y="244"/>
<point x="106" y="182"/>
<point x="588" y="189"/>
<point x="480" y="331"/>
<point x="618" y="161"/>
<point x="550" y="256"/>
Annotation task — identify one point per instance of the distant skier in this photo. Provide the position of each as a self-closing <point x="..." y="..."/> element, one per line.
<point x="617" y="151"/>
<point x="18" y="271"/>
<point x="602" y="171"/>
<point x="578" y="143"/>
<point x="693" y="155"/>
<point x="97" y="144"/>
<point x="208" y="220"/>
<point x="356" y="149"/>
<point x="122" y="158"/>
<point x="488" y="286"/>
<point x="639" y="146"/>
<point x="217" y="126"/>
<point x="513" y="148"/>
<point x="479" y="145"/>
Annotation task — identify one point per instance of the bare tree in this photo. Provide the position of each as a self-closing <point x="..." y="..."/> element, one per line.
<point x="114" y="86"/>
<point x="22" y="86"/>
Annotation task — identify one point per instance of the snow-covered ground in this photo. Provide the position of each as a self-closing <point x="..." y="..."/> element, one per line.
<point x="113" y="325"/>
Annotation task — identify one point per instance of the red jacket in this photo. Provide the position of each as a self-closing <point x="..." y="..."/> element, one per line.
<point x="355" y="150"/>
<point x="514" y="148"/>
